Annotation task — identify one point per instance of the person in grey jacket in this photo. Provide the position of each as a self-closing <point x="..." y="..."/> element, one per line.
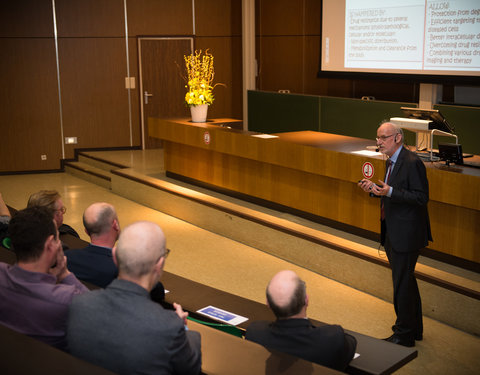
<point x="120" y="328"/>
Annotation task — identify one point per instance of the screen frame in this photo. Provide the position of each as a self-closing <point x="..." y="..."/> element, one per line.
<point x="466" y="80"/>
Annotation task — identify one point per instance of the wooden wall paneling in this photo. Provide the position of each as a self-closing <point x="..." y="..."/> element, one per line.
<point x="455" y="230"/>
<point x="313" y="17"/>
<point x="313" y="85"/>
<point x="159" y="17"/>
<point x="320" y="195"/>
<point x="281" y="64"/>
<point x="218" y="18"/>
<point x="338" y="87"/>
<point x="94" y="98"/>
<point x="386" y="90"/>
<point x="135" y="93"/>
<point x="26" y="18"/>
<point x="280" y="17"/>
<point x="30" y="111"/>
<point x="90" y="18"/>
<point x="227" y="52"/>
<point x="450" y="187"/>
<point x="162" y="64"/>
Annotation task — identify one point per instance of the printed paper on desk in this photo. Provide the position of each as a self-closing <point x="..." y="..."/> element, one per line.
<point x="222" y="315"/>
<point x="265" y="136"/>
<point x="367" y="153"/>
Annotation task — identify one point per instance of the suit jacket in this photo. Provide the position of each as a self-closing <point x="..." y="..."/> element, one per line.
<point x="93" y="264"/>
<point x="406" y="216"/>
<point x="327" y="345"/>
<point x="121" y="329"/>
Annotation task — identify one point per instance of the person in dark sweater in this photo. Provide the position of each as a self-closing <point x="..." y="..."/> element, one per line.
<point x="293" y="333"/>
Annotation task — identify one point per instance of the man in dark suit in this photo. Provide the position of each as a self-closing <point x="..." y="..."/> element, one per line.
<point x="120" y="328"/>
<point x="405" y="228"/>
<point x="94" y="263"/>
<point x="292" y="332"/>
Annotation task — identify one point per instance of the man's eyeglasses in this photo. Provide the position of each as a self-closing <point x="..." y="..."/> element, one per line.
<point x="165" y="254"/>
<point x="383" y="138"/>
<point x="63" y="210"/>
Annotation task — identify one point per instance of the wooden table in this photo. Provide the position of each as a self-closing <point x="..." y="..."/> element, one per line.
<point x="194" y="296"/>
<point x="316" y="174"/>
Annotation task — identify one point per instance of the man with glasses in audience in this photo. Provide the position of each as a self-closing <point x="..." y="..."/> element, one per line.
<point x="120" y="328"/>
<point x="405" y="228"/>
<point x="52" y="201"/>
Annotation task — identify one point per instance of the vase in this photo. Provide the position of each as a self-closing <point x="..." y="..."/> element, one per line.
<point x="199" y="112"/>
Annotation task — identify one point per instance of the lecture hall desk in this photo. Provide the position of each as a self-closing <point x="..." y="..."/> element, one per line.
<point x="317" y="174"/>
<point x="193" y="296"/>
<point x="222" y="353"/>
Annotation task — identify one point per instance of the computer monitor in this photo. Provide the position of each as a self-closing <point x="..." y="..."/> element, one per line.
<point x="450" y="152"/>
<point x="438" y="121"/>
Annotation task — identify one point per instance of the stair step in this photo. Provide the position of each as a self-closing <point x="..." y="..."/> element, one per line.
<point x="90" y="173"/>
<point x="98" y="163"/>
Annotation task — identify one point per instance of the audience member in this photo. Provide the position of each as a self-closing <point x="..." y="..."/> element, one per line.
<point x="120" y="328"/>
<point x="94" y="263"/>
<point x="52" y="201"/>
<point x="4" y="219"/>
<point x="36" y="291"/>
<point x="292" y="332"/>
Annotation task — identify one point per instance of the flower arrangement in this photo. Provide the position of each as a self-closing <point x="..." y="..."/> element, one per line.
<point x="200" y="73"/>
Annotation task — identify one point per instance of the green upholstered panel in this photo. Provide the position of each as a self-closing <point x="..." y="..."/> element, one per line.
<point x="359" y="118"/>
<point x="466" y="121"/>
<point x="271" y="112"/>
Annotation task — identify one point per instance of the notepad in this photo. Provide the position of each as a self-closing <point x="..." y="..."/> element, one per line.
<point x="222" y="315"/>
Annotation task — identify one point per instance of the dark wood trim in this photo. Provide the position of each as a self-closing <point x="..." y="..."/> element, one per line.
<point x="89" y="171"/>
<point x="119" y="148"/>
<point x="7" y="173"/>
<point x="118" y="165"/>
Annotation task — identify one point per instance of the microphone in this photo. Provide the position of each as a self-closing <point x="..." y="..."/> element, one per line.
<point x="373" y="148"/>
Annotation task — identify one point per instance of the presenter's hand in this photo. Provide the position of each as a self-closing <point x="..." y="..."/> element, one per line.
<point x="366" y="185"/>
<point x="381" y="188"/>
<point x="182" y="314"/>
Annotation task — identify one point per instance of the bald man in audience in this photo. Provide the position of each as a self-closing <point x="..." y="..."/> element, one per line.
<point x="292" y="332"/>
<point x="120" y="328"/>
<point x="94" y="263"/>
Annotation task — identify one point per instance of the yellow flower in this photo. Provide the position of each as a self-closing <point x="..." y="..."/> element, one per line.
<point x="200" y="75"/>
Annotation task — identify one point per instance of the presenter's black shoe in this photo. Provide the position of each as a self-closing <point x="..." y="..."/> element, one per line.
<point x="399" y="341"/>
<point x="418" y="336"/>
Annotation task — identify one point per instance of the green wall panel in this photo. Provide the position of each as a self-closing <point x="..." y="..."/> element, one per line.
<point x="466" y="121"/>
<point x="359" y="118"/>
<point x="271" y="112"/>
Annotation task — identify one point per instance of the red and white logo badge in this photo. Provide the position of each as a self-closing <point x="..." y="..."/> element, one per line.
<point x="367" y="170"/>
<point x="206" y="138"/>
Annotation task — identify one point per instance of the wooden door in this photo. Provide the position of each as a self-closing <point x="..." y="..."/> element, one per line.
<point x="162" y="86"/>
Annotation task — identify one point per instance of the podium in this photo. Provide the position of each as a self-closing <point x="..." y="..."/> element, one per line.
<point x="423" y="133"/>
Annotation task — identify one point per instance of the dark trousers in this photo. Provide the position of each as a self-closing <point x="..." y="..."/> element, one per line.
<point x="406" y="297"/>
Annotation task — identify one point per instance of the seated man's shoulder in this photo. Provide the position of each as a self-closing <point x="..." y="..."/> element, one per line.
<point x="67" y="229"/>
